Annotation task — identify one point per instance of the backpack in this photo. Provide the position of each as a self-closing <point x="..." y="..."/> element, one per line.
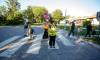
<point x="45" y="26"/>
<point x="26" y="26"/>
<point x="32" y="31"/>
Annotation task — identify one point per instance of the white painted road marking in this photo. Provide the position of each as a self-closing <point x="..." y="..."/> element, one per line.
<point x="64" y="40"/>
<point x="56" y="46"/>
<point x="36" y="45"/>
<point x="8" y="41"/>
<point x="14" y="47"/>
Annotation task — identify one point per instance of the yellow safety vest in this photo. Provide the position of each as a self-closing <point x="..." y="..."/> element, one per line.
<point x="52" y="31"/>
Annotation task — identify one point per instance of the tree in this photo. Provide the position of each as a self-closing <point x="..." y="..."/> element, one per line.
<point x="13" y="7"/>
<point x="38" y="13"/>
<point x="86" y="22"/>
<point x="2" y="15"/>
<point x="2" y="10"/>
<point x="35" y="12"/>
<point x="13" y="16"/>
<point x="28" y="13"/>
<point x="57" y="15"/>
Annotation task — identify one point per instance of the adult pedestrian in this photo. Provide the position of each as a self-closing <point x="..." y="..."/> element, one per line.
<point x="45" y="27"/>
<point x="72" y="29"/>
<point x="89" y="30"/>
<point x="26" y="27"/>
<point x="52" y="35"/>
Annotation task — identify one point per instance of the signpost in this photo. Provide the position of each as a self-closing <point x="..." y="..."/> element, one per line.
<point x="98" y="18"/>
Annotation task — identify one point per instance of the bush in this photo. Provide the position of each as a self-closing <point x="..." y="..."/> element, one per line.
<point x="94" y="40"/>
<point x="2" y="20"/>
<point x="86" y="22"/>
<point x="61" y="26"/>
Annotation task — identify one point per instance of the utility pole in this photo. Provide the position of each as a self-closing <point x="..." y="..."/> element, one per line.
<point x="65" y="19"/>
<point x="65" y="12"/>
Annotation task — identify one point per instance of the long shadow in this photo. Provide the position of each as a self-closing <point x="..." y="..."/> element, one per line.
<point x="21" y="52"/>
<point x="42" y="52"/>
<point x="29" y="56"/>
<point x="16" y="40"/>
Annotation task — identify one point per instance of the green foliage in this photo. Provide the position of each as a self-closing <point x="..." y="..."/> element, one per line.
<point x="38" y="13"/>
<point x="12" y="15"/>
<point x="28" y="13"/>
<point x="2" y="10"/>
<point x="13" y="7"/>
<point x="35" y="12"/>
<point x="86" y="22"/>
<point x="2" y="15"/>
<point x="2" y="20"/>
<point x="57" y="15"/>
<point x="16" y="20"/>
<point x="61" y="26"/>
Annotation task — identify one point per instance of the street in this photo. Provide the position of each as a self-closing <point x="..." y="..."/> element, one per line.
<point x="14" y="46"/>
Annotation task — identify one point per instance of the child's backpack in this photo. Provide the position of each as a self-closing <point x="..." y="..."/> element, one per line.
<point x="32" y="31"/>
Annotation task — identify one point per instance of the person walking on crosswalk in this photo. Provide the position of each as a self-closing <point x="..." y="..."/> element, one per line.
<point x="26" y="27"/>
<point x="30" y="32"/>
<point x="89" y="30"/>
<point x="72" y="28"/>
<point x="52" y="35"/>
<point x="45" y="27"/>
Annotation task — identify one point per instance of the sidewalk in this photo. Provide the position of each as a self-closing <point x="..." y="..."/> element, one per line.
<point x="80" y="39"/>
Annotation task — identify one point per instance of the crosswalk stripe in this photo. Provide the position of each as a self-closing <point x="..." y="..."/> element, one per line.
<point x="14" y="47"/>
<point x="36" y="45"/>
<point x="56" y="46"/>
<point x="8" y="41"/>
<point x="34" y="48"/>
<point x="65" y="41"/>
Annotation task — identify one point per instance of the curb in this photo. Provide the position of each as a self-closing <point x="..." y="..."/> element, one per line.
<point x="94" y="45"/>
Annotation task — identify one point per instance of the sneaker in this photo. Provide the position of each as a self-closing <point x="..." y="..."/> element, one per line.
<point x="50" y="46"/>
<point x="53" y="46"/>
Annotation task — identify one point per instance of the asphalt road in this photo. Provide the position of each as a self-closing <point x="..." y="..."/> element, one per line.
<point x="14" y="46"/>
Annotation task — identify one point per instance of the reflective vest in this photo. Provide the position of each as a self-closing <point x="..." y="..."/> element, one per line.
<point x="52" y="31"/>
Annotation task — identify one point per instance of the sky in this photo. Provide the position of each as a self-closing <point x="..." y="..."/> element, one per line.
<point x="72" y="7"/>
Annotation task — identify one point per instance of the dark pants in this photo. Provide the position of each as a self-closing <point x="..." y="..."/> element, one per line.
<point x="52" y="41"/>
<point x="45" y="35"/>
<point x="88" y="33"/>
<point x="71" y="32"/>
